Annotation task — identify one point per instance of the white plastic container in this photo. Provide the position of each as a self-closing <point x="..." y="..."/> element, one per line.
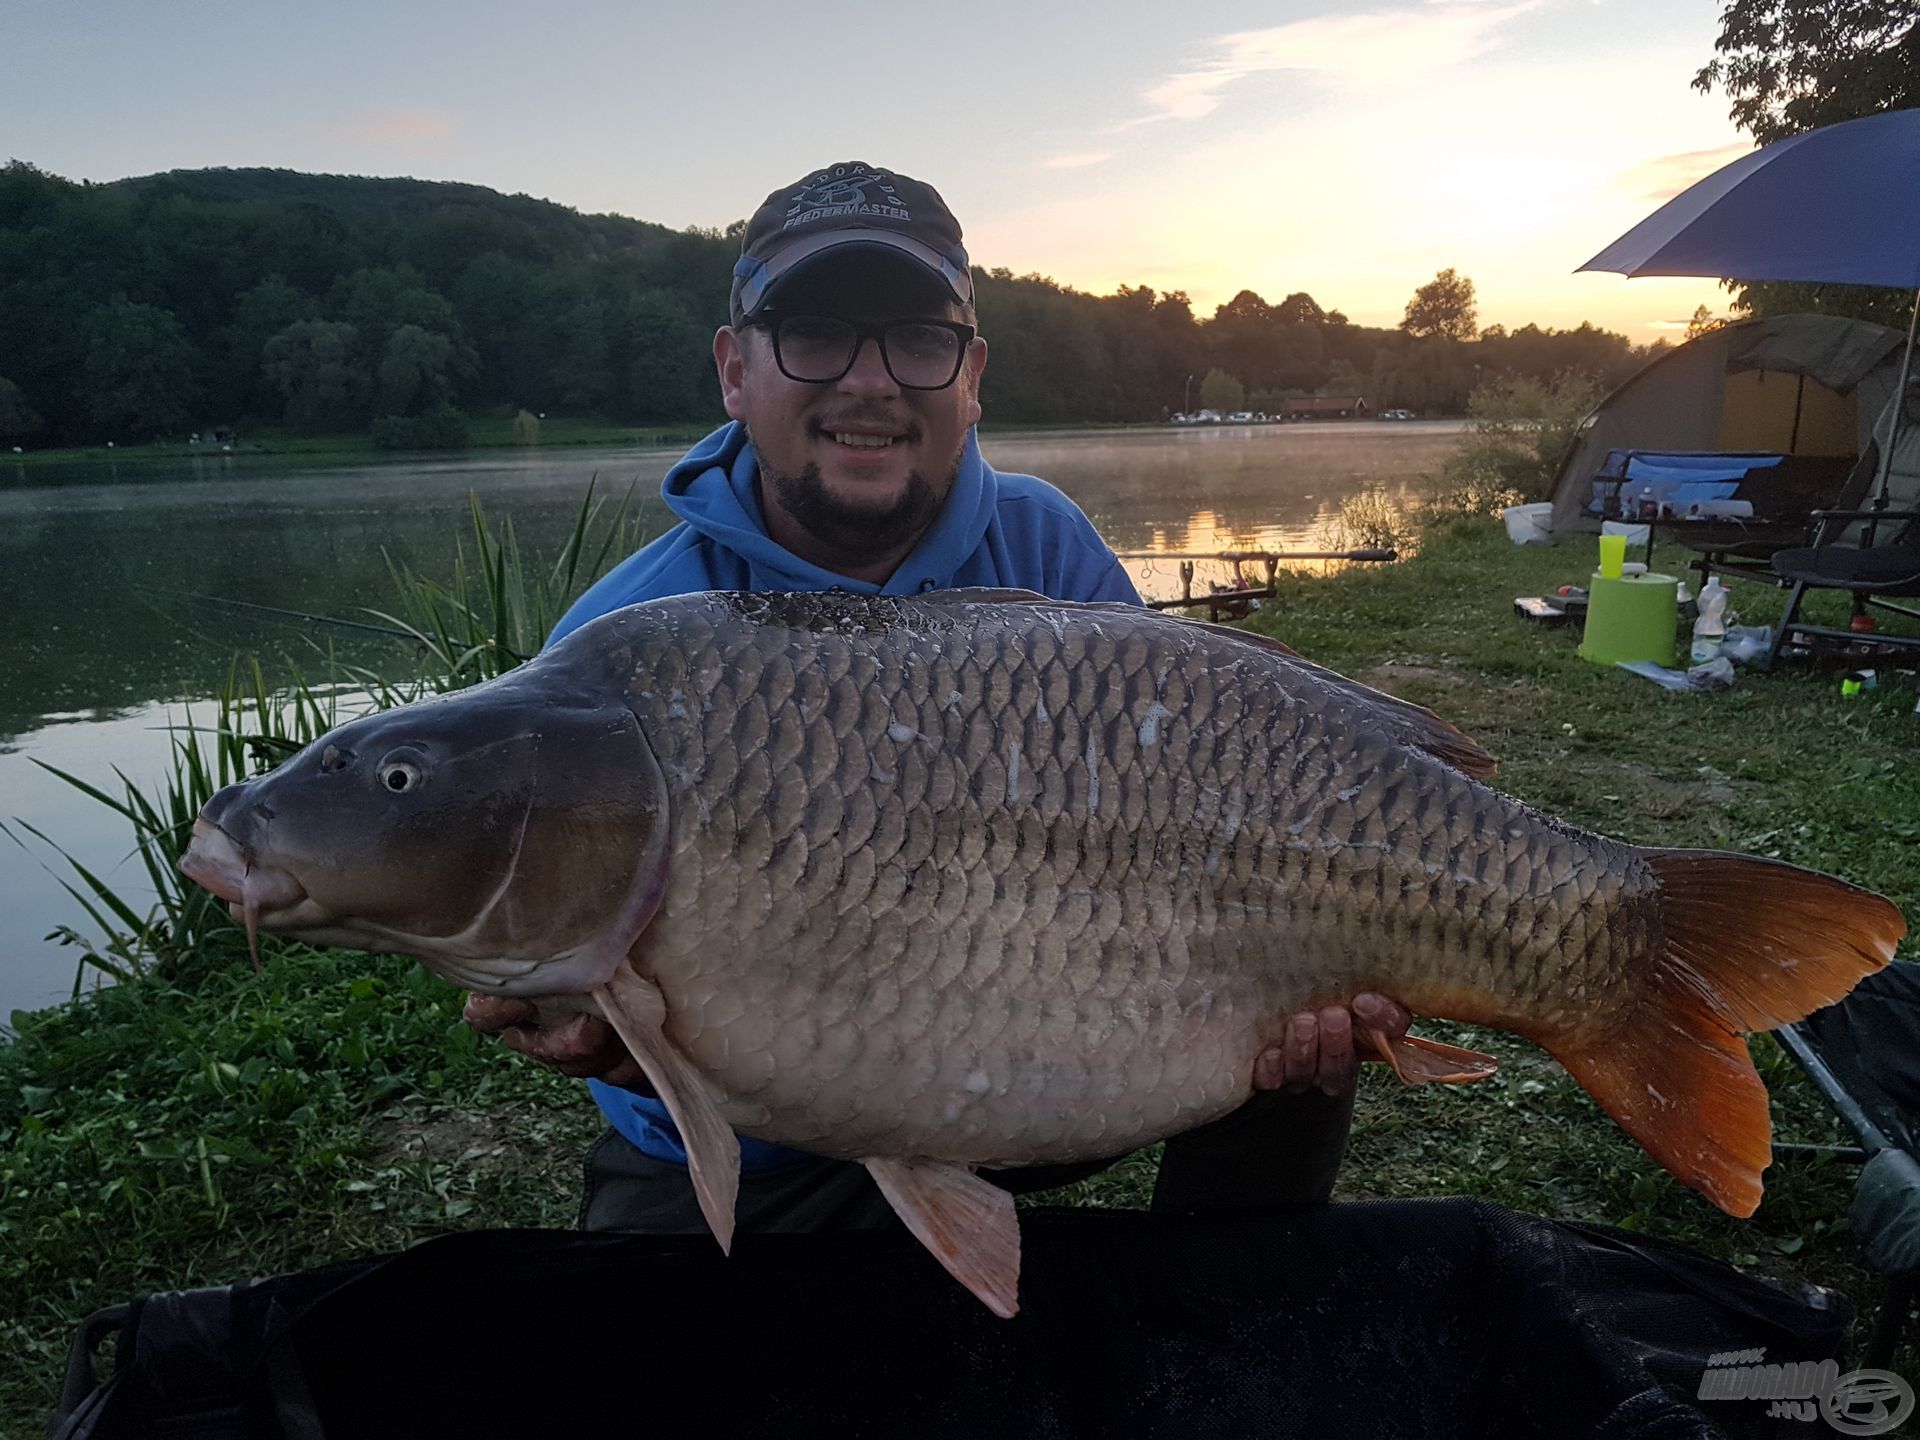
<point x="1529" y="524"/>
<point x="1710" y="629"/>
<point x="1636" y="534"/>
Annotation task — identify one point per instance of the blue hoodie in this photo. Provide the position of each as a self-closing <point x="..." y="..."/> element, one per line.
<point x="994" y="530"/>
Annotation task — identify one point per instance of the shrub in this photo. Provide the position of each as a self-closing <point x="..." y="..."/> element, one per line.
<point x="1521" y="428"/>
<point x="1367" y="520"/>
<point x="441" y="428"/>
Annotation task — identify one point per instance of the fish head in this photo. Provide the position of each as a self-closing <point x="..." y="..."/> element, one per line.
<point x="512" y="838"/>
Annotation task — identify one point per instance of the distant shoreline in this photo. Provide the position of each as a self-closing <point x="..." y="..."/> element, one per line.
<point x="558" y="433"/>
<point x="483" y="434"/>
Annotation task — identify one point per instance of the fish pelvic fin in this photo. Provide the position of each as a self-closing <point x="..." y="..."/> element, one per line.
<point x="637" y="1011"/>
<point x="1750" y="944"/>
<point x="1419" y="1061"/>
<point x="968" y="1224"/>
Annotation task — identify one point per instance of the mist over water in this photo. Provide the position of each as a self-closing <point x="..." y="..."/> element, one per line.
<point x="115" y="582"/>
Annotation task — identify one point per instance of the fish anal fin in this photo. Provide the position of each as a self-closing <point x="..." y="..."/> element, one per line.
<point x="968" y="1224"/>
<point x="1748" y="944"/>
<point x="637" y="1011"/>
<point x="1419" y="1061"/>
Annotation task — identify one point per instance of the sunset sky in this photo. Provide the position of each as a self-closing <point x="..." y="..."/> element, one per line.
<point x="1346" y="150"/>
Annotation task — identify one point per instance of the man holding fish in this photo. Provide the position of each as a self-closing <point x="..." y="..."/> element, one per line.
<point x="851" y="371"/>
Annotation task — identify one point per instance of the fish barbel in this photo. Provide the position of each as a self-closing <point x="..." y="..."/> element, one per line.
<point x="979" y="879"/>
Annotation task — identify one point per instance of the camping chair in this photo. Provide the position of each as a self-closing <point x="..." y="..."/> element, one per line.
<point x="1692" y="490"/>
<point x="1861" y="1053"/>
<point x="1883" y="565"/>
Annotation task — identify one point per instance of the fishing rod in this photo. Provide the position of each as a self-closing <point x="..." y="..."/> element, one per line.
<point x="1236" y="601"/>
<point x="287" y="616"/>
<point x="1245" y="556"/>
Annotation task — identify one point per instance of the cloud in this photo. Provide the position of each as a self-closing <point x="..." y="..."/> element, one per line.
<point x="1368" y="49"/>
<point x="398" y="125"/>
<point x="1077" y="161"/>
<point x="1665" y="176"/>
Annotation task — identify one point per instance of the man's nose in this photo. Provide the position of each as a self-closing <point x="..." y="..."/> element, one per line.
<point x="868" y="374"/>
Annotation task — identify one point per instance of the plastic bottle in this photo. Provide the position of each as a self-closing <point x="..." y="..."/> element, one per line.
<point x="1710" y="630"/>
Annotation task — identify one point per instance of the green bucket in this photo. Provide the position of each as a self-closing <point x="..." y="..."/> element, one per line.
<point x="1631" y="617"/>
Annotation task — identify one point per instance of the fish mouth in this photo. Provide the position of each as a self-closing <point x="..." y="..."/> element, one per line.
<point x="255" y="894"/>
<point x="214" y="862"/>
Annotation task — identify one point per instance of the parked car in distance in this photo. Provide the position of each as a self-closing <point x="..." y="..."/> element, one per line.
<point x="1240" y="417"/>
<point x="1396" y="415"/>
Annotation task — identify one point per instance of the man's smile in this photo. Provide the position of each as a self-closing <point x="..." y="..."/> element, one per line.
<point x="863" y="441"/>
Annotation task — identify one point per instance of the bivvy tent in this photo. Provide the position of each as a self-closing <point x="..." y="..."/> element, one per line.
<point x="1793" y="385"/>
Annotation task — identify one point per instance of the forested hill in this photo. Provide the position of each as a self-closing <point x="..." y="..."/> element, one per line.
<point x="369" y="198"/>
<point x="196" y="299"/>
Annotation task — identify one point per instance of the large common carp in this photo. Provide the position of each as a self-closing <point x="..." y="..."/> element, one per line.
<point x="981" y="879"/>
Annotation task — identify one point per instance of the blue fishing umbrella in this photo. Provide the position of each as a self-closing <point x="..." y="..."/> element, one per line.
<point x="1839" y="205"/>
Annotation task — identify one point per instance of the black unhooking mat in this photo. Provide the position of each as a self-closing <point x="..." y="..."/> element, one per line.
<point x="1426" y="1319"/>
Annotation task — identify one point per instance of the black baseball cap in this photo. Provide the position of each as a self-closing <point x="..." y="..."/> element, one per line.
<point x="844" y="209"/>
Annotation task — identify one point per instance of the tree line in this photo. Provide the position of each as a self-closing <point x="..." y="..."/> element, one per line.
<point x="222" y="299"/>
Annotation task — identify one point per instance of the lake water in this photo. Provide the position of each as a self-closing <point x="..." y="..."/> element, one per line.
<point x="109" y="578"/>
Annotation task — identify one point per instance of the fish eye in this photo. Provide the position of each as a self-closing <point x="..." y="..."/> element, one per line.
<point x="397" y="777"/>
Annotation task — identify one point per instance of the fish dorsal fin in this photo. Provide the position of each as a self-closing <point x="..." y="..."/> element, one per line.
<point x="637" y="1011"/>
<point x="1411" y="724"/>
<point x="988" y="595"/>
<point x="996" y="595"/>
<point x="968" y="1224"/>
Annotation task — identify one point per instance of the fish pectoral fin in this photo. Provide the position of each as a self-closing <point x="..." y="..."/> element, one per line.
<point x="1418" y="1061"/>
<point x="637" y="1011"/>
<point x="968" y="1224"/>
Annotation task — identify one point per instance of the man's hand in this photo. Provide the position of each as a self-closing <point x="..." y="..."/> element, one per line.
<point x="584" y="1046"/>
<point x="1317" y="1052"/>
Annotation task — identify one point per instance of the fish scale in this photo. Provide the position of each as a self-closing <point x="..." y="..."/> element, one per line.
<point x="982" y="879"/>
<point x="1074" y="759"/>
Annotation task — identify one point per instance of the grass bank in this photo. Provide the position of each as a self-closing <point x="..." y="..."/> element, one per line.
<point x="204" y="1123"/>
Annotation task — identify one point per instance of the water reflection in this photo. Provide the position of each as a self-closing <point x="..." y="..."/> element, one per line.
<point x="109" y="576"/>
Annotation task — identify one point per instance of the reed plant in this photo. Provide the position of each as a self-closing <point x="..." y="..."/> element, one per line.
<point x="500" y="604"/>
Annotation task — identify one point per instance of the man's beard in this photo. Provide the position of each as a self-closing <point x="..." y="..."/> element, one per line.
<point x="850" y="532"/>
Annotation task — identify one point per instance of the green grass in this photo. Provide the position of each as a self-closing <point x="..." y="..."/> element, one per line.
<point x="200" y="1123"/>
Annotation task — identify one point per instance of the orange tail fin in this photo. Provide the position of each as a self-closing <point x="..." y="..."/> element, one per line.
<point x="1751" y="944"/>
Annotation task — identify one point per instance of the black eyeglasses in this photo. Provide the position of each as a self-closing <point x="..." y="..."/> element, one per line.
<point x="819" y="349"/>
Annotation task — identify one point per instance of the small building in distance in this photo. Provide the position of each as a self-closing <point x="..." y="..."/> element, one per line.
<point x="1326" y="407"/>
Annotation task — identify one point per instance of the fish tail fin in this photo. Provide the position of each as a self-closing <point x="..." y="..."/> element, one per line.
<point x="1749" y="944"/>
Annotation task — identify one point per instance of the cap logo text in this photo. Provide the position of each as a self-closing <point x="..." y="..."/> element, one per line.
<point x="845" y="192"/>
